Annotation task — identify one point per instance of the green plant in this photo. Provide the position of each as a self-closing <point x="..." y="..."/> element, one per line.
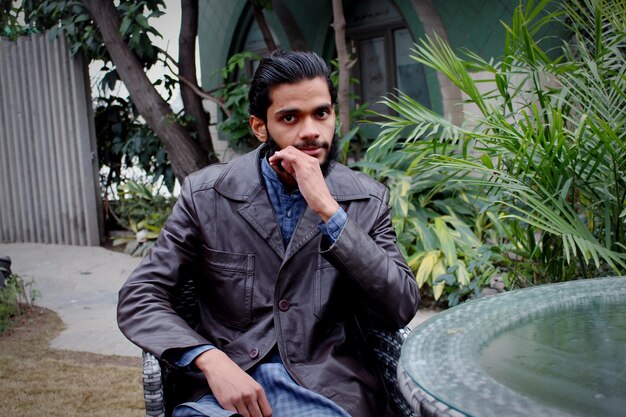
<point x="546" y="144"/>
<point x="446" y="233"/>
<point x="15" y="296"/>
<point x="234" y="96"/>
<point x="143" y="212"/>
<point x="125" y="142"/>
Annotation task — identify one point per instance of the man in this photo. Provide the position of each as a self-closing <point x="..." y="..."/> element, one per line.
<point x="289" y="252"/>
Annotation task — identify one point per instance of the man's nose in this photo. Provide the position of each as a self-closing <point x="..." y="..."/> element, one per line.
<point x="310" y="129"/>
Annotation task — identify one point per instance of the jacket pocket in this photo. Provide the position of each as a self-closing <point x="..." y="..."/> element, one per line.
<point x="229" y="286"/>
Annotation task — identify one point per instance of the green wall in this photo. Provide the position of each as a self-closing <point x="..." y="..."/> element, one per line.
<point x="314" y="19"/>
<point x="217" y="22"/>
<point x="475" y="25"/>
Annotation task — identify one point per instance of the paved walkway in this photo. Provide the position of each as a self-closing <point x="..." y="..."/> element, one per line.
<point x="81" y="284"/>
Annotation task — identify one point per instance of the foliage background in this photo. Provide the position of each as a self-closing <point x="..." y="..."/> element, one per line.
<point x="531" y="188"/>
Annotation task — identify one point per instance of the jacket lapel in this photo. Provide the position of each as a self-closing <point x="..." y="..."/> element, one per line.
<point x="305" y="231"/>
<point x="241" y="181"/>
<point x="344" y="188"/>
<point x="259" y="214"/>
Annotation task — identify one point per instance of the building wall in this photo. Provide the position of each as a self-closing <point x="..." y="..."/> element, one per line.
<point x="314" y="19"/>
<point x="218" y="21"/>
<point x="475" y="25"/>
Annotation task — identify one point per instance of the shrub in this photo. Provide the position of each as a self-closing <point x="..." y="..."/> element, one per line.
<point x="541" y="162"/>
<point x="143" y="212"/>
<point x="15" y="297"/>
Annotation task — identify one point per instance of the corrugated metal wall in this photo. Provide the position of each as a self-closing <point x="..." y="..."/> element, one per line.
<point x="48" y="164"/>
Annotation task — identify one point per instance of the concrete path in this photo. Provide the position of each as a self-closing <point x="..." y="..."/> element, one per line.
<point x="81" y="284"/>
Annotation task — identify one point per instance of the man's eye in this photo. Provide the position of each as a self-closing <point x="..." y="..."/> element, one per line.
<point x="289" y="118"/>
<point x="322" y="114"/>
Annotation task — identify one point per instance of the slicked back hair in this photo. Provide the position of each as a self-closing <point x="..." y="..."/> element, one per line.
<point x="281" y="67"/>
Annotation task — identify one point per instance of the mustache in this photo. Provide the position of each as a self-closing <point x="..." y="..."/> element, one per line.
<point x="312" y="144"/>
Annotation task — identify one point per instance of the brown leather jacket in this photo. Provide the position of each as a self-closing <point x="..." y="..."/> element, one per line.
<point x="254" y="293"/>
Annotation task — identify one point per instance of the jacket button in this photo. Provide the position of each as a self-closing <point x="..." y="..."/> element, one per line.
<point x="254" y="353"/>
<point x="283" y="305"/>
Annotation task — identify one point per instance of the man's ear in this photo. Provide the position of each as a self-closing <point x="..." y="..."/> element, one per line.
<point x="258" y="128"/>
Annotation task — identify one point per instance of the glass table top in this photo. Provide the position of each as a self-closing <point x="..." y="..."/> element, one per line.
<point x="557" y="350"/>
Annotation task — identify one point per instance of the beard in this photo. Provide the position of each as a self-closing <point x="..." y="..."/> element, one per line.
<point x="326" y="166"/>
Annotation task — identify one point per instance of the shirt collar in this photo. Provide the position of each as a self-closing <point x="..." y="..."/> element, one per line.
<point x="269" y="174"/>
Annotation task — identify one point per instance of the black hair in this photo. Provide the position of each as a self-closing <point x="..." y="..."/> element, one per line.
<point x="281" y="67"/>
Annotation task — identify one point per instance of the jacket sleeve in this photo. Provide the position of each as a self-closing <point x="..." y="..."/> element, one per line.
<point x="374" y="262"/>
<point x="144" y="312"/>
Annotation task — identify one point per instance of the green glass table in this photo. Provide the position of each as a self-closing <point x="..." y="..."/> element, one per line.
<point x="551" y="350"/>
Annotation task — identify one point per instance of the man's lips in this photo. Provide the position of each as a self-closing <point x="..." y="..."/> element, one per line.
<point x="313" y="151"/>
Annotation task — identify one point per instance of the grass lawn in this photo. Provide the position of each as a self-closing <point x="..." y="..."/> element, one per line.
<point x="36" y="381"/>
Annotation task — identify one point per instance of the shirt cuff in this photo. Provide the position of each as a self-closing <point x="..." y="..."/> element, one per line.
<point x="187" y="356"/>
<point x="333" y="228"/>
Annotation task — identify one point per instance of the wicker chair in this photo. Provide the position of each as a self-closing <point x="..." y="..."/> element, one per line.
<point x="159" y="380"/>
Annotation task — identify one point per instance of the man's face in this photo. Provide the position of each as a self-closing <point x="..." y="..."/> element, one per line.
<point x="300" y="115"/>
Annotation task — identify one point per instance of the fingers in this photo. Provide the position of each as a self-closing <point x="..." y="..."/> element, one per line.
<point x="233" y="388"/>
<point x="286" y="159"/>
<point x="252" y="403"/>
<point x="247" y="398"/>
<point x="264" y="405"/>
<point x="308" y="174"/>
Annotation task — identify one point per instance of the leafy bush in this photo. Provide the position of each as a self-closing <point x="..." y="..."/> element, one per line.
<point x="447" y="234"/>
<point x="15" y="296"/>
<point x="543" y="156"/>
<point x="234" y="97"/>
<point x="124" y="141"/>
<point x="143" y="212"/>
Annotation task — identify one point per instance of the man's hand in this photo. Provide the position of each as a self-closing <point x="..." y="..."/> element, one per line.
<point x="305" y="169"/>
<point x="234" y="389"/>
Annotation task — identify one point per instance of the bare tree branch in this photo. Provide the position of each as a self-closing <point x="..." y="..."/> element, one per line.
<point x="265" y="29"/>
<point x="187" y="69"/>
<point x="289" y="24"/>
<point x="343" y="90"/>
<point x="205" y="94"/>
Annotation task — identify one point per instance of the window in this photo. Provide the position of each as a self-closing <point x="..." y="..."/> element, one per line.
<point x="382" y="42"/>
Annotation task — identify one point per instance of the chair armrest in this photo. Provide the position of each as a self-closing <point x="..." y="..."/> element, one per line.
<point x="152" y="386"/>
<point x="386" y="346"/>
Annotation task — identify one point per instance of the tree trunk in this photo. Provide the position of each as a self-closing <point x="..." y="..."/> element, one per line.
<point x="265" y="29"/>
<point x="289" y="24"/>
<point x="187" y="69"/>
<point x="343" y="90"/>
<point x="185" y="155"/>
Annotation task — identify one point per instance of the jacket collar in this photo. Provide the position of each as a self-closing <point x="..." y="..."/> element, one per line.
<point x="242" y="178"/>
